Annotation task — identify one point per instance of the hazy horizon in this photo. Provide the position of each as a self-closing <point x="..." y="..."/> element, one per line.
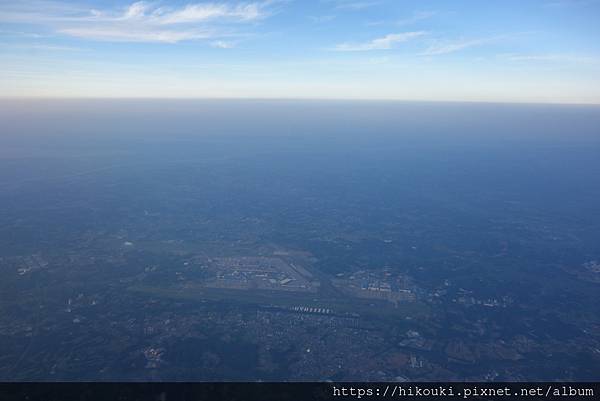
<point x="285" y="99"/>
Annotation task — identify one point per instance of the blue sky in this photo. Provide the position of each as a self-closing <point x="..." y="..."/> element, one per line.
<point x="506" y="51"/>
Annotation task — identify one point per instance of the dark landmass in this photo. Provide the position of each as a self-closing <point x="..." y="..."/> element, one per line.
<point x="299" y="241"/>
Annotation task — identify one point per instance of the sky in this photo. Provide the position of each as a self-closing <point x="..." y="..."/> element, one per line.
<point x="541" y="51"/>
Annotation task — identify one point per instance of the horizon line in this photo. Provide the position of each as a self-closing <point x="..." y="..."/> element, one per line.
<point x="290" y="99"/>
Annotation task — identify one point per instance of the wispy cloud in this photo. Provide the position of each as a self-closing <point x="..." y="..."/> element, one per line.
<point x="552" y="58"/>
<point x="320" y="19"/>
<point x="386" y="42"/>
<point x="40" y="47"/>
<point x="142" y="21"/>
<point x="452" y="47"/>
<point x="416" y="17"/>
<point x="354" y="5"/>
<point x="569" y="3"/>
<point x="210" y="11"/>
<point x="21" y="34"/>
<point x="130" y="34"/>
<point x="221" y="44"/>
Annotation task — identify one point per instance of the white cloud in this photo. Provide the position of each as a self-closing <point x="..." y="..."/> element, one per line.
<point x="40" y="47"/>
<point x="210" y="11"/>
<point x="21" y="34"/>
<point x="386" y="42"/>
<point x="359" y="5"/>
<point x="452" y="47"/>
<point x="552" y="58"/>
<point x="416" y="17"/>
<point x="221" y="44"/>
<point x="354" y="5"/>
<point x="123" y="34"/>
<point x="136" y="10"/>
<point x="142" y="21"/>
<point x="319" y="19"/>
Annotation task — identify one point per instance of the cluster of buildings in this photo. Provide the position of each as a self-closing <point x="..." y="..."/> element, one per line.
<point x="27" y="264"/>
<point x="376" y="285"/>
<point x="465" y="299"/>
<point x="308" y="309"/>
<point x="258" y="272"/>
